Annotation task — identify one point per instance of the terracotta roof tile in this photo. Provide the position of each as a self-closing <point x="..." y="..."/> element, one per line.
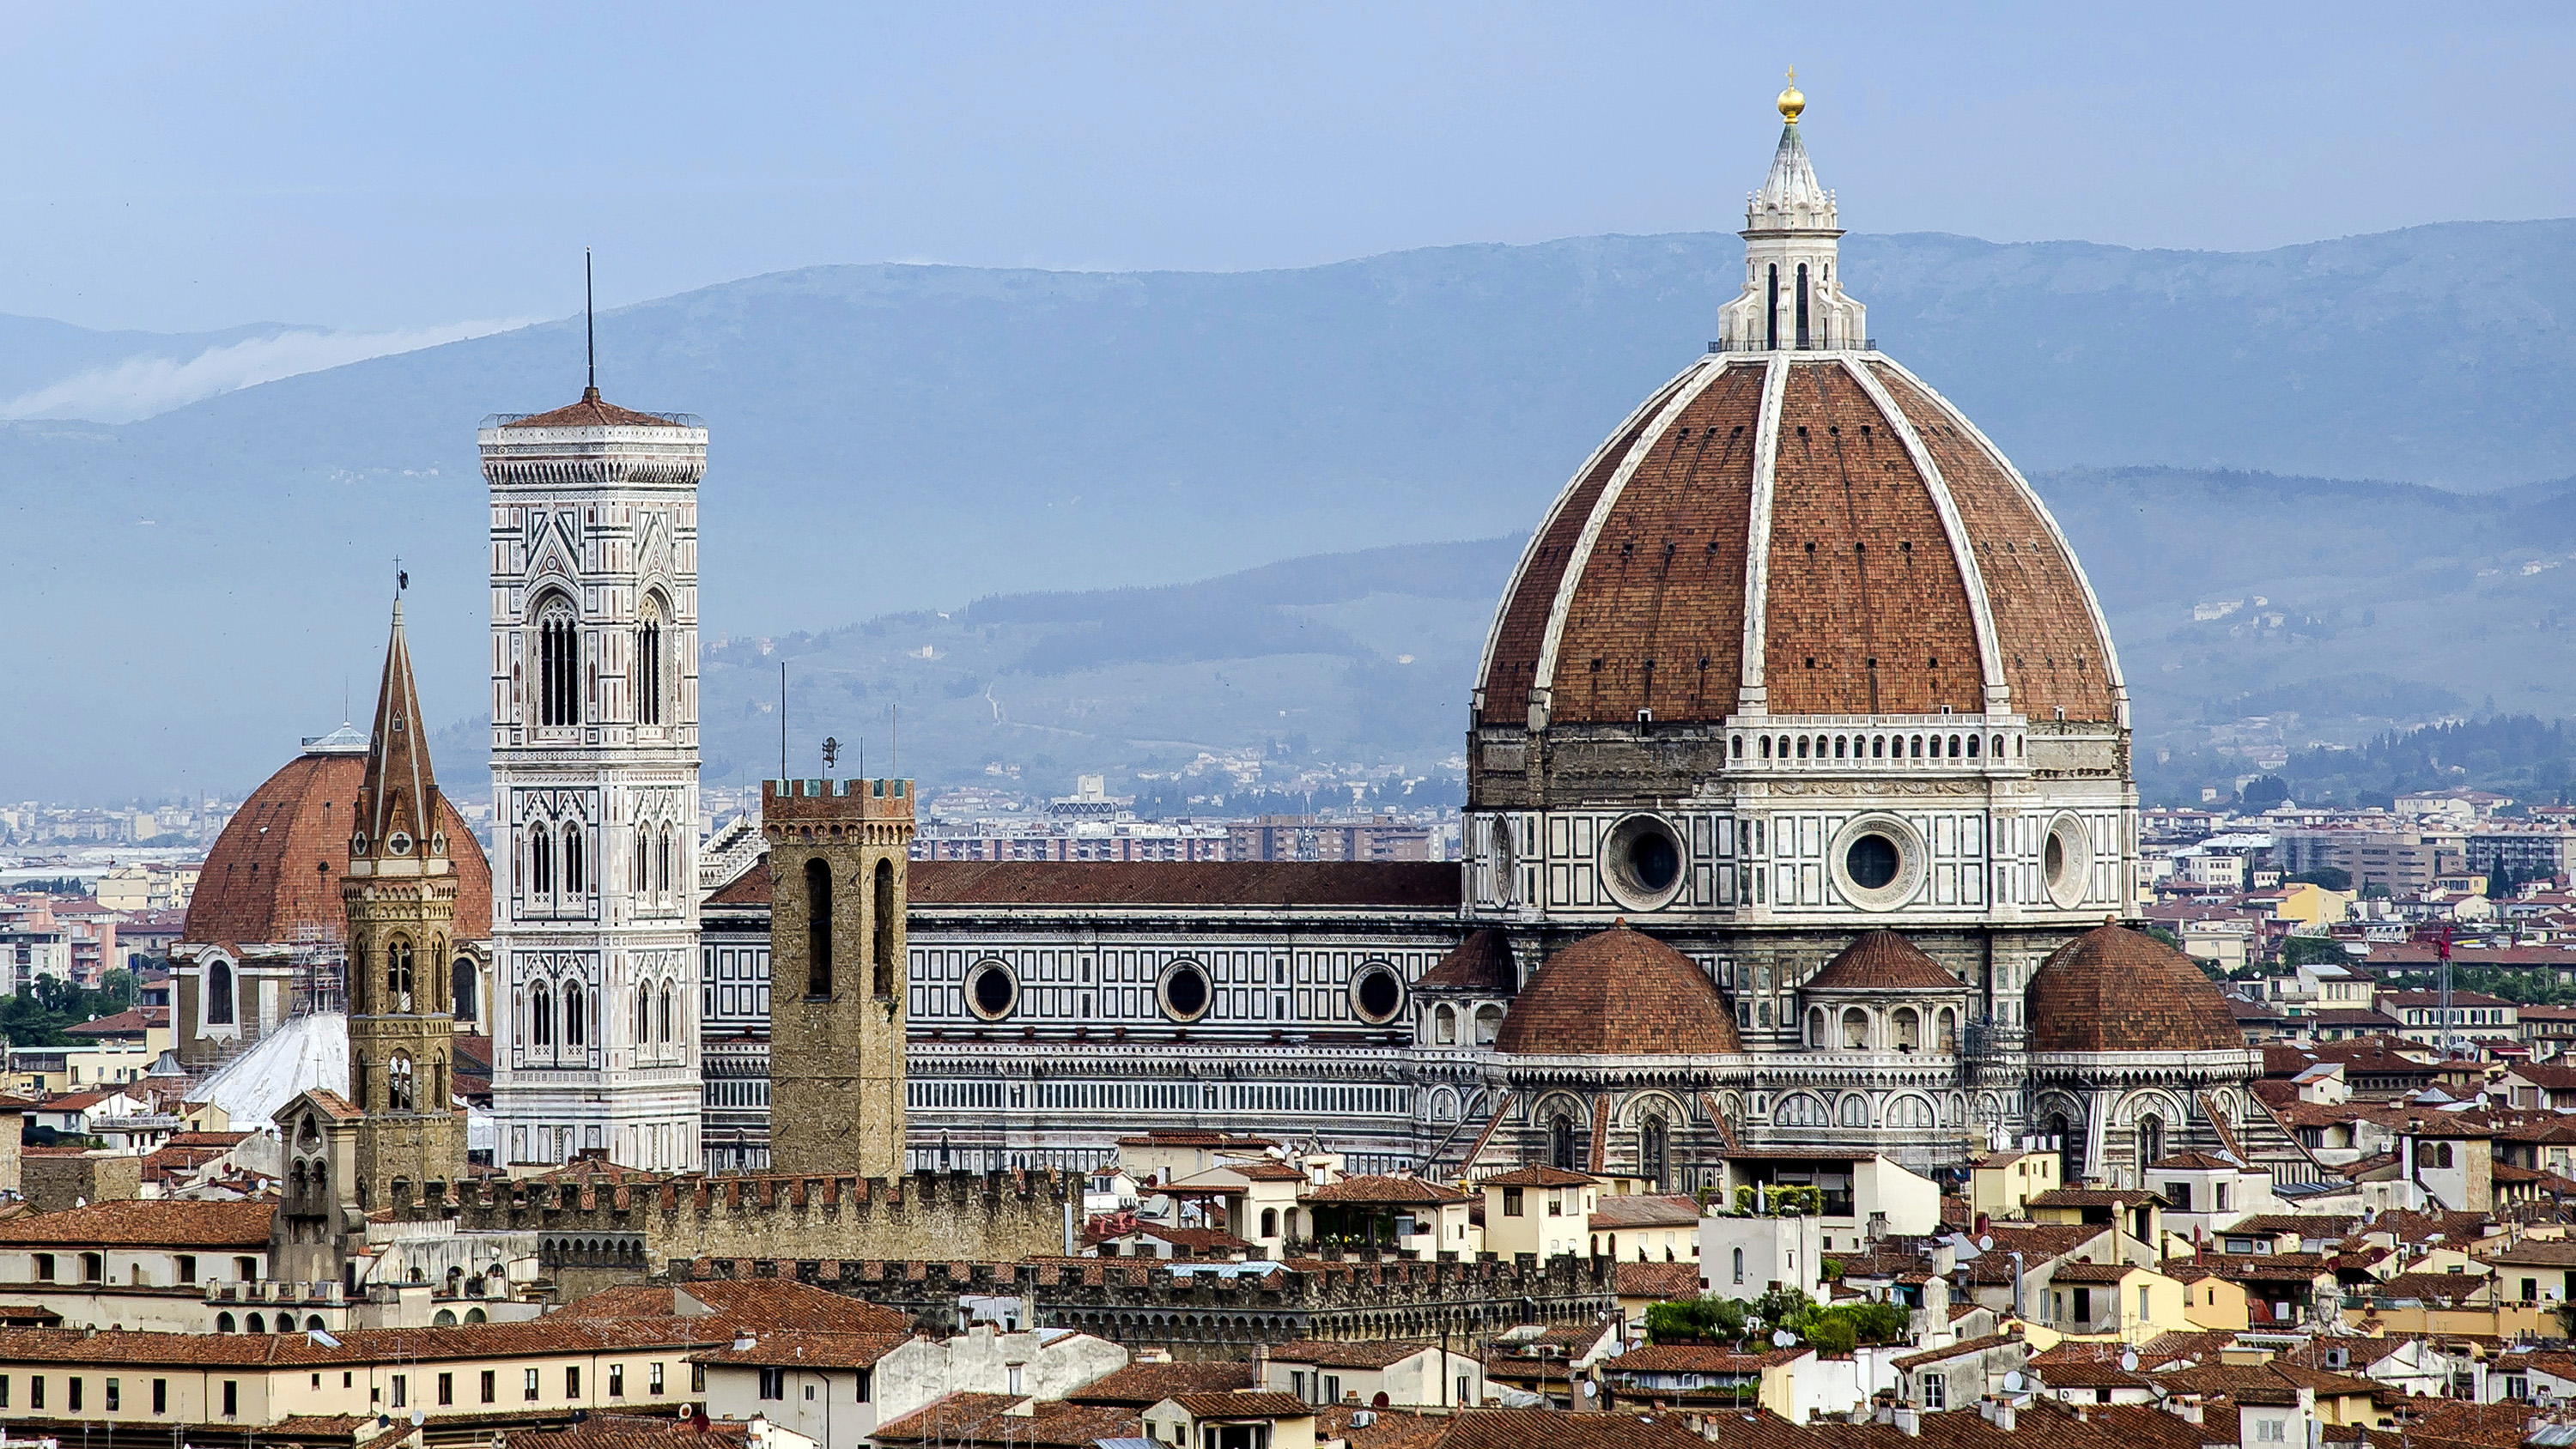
<point x="1656" y="1280"/>
<point x="1882" y="961"/>
<point x="592" y="412"/>
<point x="1618" y="992"/>
<point x="1372" y="1354"/>
<point x="2117" y="990"/>
<point x="1482" y="962"/>
<point x="153" y="1222"/>
<point x="1245" y="1405"/>
<point x="1143" y="1385"/>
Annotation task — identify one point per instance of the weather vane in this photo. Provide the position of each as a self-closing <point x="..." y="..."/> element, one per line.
<point x="402" y="580"/>
<point x="831" y="754"/>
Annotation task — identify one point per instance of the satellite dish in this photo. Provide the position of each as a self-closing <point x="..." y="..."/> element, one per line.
<point x="2012" y="1382"/>
<point x="1782" y="1338"/>
<point x="416" y="1417"/>
<point x="1986" y="1244"/>
<point x="2129" y="1361"/>
<point x="1589" y="1389"/>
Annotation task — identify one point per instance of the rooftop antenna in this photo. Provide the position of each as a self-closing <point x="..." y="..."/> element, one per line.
<point x="782" y="720"/>
<point x="590" y="333"/>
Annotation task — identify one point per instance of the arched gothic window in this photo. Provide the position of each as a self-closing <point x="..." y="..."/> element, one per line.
<point x="463" y="990"/>
<point x="639" y="859"/>
<point x="398" y="1084"/>
<point x="662" y="863"/>
<point x="219" y="994"/>
<point x="1654" y="1151"/>
<point x="662" y="1024"/>
<point x="881" y="952"/>
<point x="574" y="1021"/>
<point x="1560" y="1141"/>
<point x="572" y="872"/>
<point x="1910" y="1111"/>
<point x="398" y="976"/>
<point x="644" y="1017"/>
<point x="558" y="663"/>
<point x="1800" y="1110"/>
<point x="818" y="928"/>
<point x="541" y="861"/>
<point x="541" y="1017"/>
<point x="2151" y="1141"/>
<point x="648" y="664"/>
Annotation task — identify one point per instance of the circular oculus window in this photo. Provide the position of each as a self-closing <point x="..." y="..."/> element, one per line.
<point x="1641" y="860"/>
<point x="399" y="843"/>
<point x="2065" y="860"/>
<point x="1377" y="993"/>
<point x="1877" y="862"/>
<point x="1184" y="992"/>
<point x="992" y="989"/>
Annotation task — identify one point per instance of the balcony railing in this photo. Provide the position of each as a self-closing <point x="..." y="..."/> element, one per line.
<point x="1812" y="344"/>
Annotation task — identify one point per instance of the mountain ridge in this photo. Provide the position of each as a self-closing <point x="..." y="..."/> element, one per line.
<point x="977" y="430"/>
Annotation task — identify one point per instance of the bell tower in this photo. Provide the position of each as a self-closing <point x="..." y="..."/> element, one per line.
<point x="399" y="894"/>
<point x="837" y="891"/>
<point x="594" y="553"/>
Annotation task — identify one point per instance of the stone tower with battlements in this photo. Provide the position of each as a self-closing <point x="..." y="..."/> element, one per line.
<point x="399" y="893"/>
<point x="594" y="554"/>
<point x="837" y="859"/>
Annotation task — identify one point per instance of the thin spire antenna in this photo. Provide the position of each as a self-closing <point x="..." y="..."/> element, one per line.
<point x="590" y="340"/>
<point x="782" y="719"/>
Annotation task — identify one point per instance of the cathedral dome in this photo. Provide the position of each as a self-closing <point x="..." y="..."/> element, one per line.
<point x="1796" y="525"/>
<point x="1618" y="993"/>
<point x="2117" y="990"/>
<point x="1819" y="533"/>
<point x="260" y="885"/>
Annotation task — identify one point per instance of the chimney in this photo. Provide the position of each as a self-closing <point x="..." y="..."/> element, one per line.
<point x="1982" y="1221"/>
<point x="1908" y="1420"/>
<point x="2005" y="1415"/>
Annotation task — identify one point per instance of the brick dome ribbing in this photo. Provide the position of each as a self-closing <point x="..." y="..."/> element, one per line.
<point x="2117" y="990"/>
<point x="1899" y="564"/>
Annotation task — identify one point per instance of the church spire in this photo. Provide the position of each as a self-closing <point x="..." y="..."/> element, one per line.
<point x="398" y="797"/>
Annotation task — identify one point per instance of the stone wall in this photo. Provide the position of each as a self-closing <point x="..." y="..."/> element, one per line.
<point x="55" y="1182"/>
<point x="624" y="1223"/>
<point x="1204" y="1315"/>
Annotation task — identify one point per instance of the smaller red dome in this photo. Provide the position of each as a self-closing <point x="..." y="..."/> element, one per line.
<point x="1882" y="961"/>
<point x="2117" y="990"/>
<point x="1619" y="993"/>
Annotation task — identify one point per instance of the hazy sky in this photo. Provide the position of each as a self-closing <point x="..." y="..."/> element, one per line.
<point x="372" y="166"/>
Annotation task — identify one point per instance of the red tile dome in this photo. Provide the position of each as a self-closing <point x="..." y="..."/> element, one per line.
<point x="259" y="885"/>
<point x="2117" y="990"/>
<point x="1618" y="993"/>
<point x="1882" y="961"/>
<point x="1898" y="564"/>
